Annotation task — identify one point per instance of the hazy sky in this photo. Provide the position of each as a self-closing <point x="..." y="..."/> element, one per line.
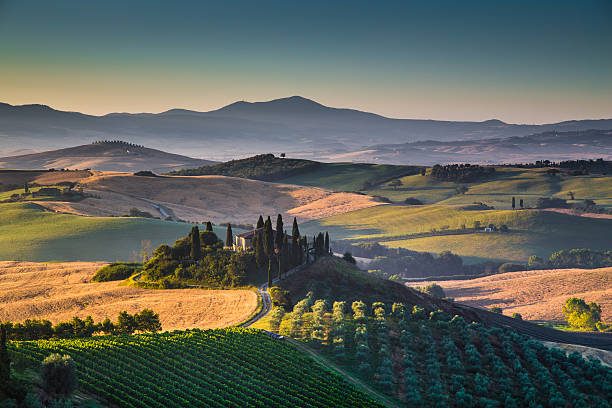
<point x="519" y="61"/>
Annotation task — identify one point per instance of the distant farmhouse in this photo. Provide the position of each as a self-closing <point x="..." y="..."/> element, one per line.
<point x="244" y="241"/>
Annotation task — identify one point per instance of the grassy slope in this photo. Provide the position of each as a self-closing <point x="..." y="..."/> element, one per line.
<point x="526" y="184"/>
<point x="532" y="231"/>
<point x="346" y="176"/>
<point x="29" y="233"/>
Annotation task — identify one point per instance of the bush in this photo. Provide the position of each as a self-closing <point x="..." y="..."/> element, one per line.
<point x="535" y="262"/>
<point x="496" y="309"/>
<point x="58" y="375"/>
<point x="413" y="201"/>
<point x="145" y="173"/>
<point x="433" y="289"/>
<point x="115" y="271"/>
<point x="348" y="257"/>
<point x="581" y="315"/>
<point x="517" y="316"/>
<point x="510" y="267"/>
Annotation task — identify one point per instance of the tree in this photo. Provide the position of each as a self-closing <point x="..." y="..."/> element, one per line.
<point x="258" y="246"/>
<point x="260" y="222"/>
<point x="196" y="248"/>
<point x="126" y="324"/>
<point x="395" y="184"/>
<point x="229" y="236"/>
<point x="423" y="171"/>
<point x="5" y="362"/>
<point x="496" y="309"/>
<point x="306" y="249"/>
<point x="571" y="195"/>
<point x="268" y="238"/>
<point x="279" y="232"/>
<point x="326" y="242"/>
<point x="433" y="289"/>
<point x="285" y="253"/>
<point x="461" y="189"/>
<point x="269" y="272"/>
<point x="535" y="262"/>
<point x="581" y="315"/>
<point x="513" y="203"/>
<point x="521" y="203"/>
<point x="25" y="188"/>
<point x="348" y="257"/>
<point x="209" y="227"/>
<point x="517" y="316"/>
<point x="147" y="321"/>
<point x="58" y="375"/>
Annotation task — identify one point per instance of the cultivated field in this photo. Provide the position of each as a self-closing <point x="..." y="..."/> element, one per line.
<point x="216" y="198"/>
<point x="536" y="295"/>
<point x="59" y="291"/>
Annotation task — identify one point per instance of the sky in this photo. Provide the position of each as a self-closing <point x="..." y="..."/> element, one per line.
<point x="518" y="61"/>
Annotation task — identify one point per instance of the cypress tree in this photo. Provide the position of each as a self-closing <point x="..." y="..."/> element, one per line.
<point x="260" y="222"/>
<point x="521" y="203"/>
<point x="196" y="249"/>
<point x="260" y="254"/>
<point x="209" y="226"/>
<point x="295" y="232"/>
<point x="5" y="361"/>
<point x="285" y="254"/>
<point x="279" y="232"/>
<point x="279" y="263"/>
<point x="25" y="187"/>
<point x="513" y="203"/>
<point x="229" y="236"/>
<point x="306" y="249"/>
<point x="269" y="273"/>
<point x="268" y="238"/>
<point x="326" y="242"/>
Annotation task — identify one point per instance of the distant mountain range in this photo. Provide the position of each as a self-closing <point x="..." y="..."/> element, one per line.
<point x="297" y="126"/>
<point x="108" y="156"/>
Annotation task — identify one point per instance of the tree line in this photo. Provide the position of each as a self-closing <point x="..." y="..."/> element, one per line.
<point x="461" y="173"/>
<point x="33" y="329"/>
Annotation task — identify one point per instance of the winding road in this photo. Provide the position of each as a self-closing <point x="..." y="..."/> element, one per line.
<point x="266" y="305"/>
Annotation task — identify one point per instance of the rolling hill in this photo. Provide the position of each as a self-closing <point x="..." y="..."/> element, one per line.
<point x="108" y="156"/>
<point x="60" y="291"/>
<point x="530" y="231"/>
<point x="293" y="125"/>
<point x="536" y="295"/>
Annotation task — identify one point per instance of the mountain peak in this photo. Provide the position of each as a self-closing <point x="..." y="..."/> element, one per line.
<point x="289" y="105"/>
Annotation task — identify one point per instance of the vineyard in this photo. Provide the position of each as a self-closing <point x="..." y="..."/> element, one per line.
<point x="231" y="367"/>
<point x="433" y="360"/>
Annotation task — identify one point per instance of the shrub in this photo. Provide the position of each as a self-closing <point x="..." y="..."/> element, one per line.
<point x="581" y="315"/>
<point x="535" y="262"/>
<point x="348" y="257"/>
<point x="58" y="375"/>
<point x="115" y="271"/>
<point x="496" y="309"/>
<point x="413" y="201"/>
<point x="517" y="316"/>
<point x="510" y="267"/>
<point x="433" y="289"/>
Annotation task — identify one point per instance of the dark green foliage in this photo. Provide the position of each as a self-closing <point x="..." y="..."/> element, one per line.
<point x="147" y="321"/>
<point x="280" y="232"/>
<point x="58" y="375"/>
<point x="268" y="238"/>
<point x="229" y="236"/>
<point x="209" y="227"/>
<point x="264" y="167"/>
<point x="510" y="267"/>
<point x="145" y="173"/>
<point x="116" y="271"/>
<point x="349" y="258"/>
<point x="517" y="316"/>
<point x="551" y="202"/>
<point x="326" y="242"/>
<point x="126" y="323"/>
<point x="413" y="201"/>
<point x="196" y="250"/>
<point x="461" y="173"/>
<point x="433" y="289"/>
<point x="580" y="258"/>
<point x="5" y="361"/>
<point x="280" y="297"/>
<point x="496" y="309"/>
<point x="258" y="247"/>
<point x="260" y="222"/>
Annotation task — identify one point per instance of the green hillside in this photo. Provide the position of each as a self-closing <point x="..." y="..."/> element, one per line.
<point x="214" y="368"/>
<point x="498" y="190"/>
<point x="412" y="227"/>
<point x="29" y="233"/>
<point x="349" y="176"/>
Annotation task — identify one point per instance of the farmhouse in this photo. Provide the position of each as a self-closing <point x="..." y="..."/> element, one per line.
<point x="244" y="241"/>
